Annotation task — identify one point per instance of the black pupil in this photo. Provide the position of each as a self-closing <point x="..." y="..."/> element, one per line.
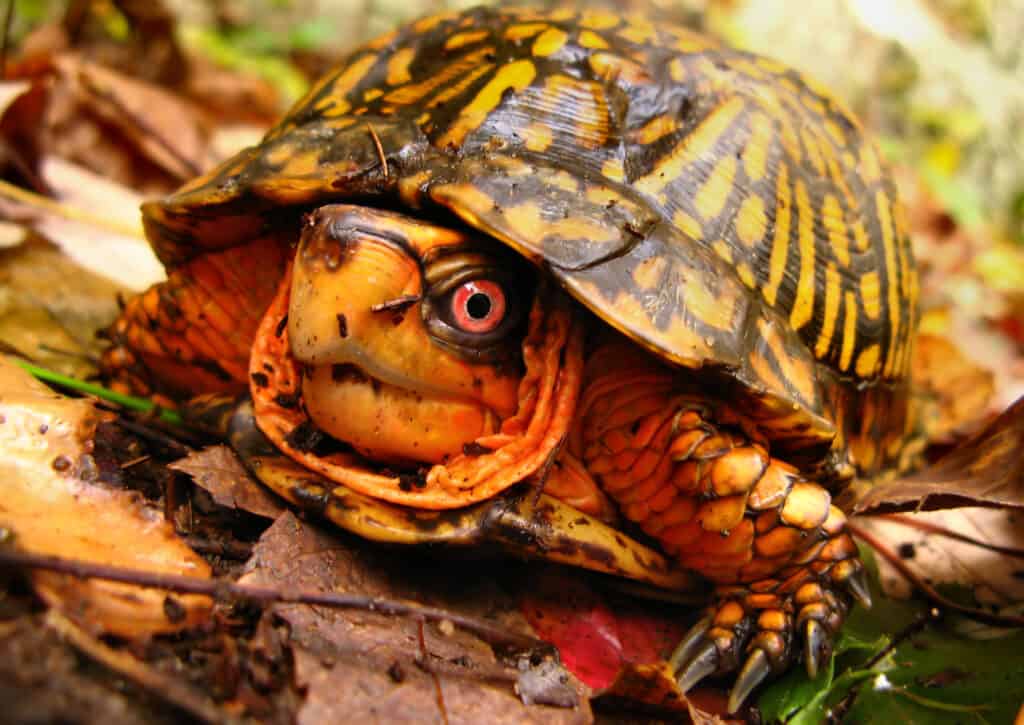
<point x="478" y="306"/>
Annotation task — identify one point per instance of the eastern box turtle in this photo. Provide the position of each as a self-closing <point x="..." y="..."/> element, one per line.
<point x="664" y="281"/>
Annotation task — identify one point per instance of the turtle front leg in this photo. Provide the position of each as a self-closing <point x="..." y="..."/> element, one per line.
<point x="698" y="478"/>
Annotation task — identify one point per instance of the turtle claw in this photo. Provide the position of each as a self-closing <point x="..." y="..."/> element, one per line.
<point x="688" y="644"/>
<point x="755" y="670"/>
<point x="815" y="643"/>
<point x="703" y="663"/>
<point x="857" y="585"/>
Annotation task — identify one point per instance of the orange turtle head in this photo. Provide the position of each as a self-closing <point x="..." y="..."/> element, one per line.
<point x="398" y="343"/>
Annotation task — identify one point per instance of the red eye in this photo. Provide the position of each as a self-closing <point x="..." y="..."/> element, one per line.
<point x="478" y="306"/>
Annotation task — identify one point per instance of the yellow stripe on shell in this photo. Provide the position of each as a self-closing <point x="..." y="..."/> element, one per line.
<point x="414" y="93"/>
<point x="459" y="87"/>
<point x="549" y="42"/>
<point x="516" y="76"/>
<point x="751" y="220"/>
<point x="835" y="227"/>
<point x="711" y="198"/>
<point x="697" y="145"/>
<point x="590" y="39"/>
<point x="755" y="154"/>
<point x="832" y="297"/>
<point x="780" y="240"/>
<point x="849" y="330"/>
<point x="889" y="246"/>
<point x="870" y="294"/>
<point x="598" y="20"/>
<point x="461" y="40"/>
<point x="867" y="361"/>
<point x="657" y="128"/>
<point x="398" y="66"/>
<point x="522" y="31"/>
<point x="803" y="306"/>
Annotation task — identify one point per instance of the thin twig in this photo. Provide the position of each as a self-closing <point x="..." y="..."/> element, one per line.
<point x="425" y="664"/>
<point x="931" y="528"/>
<point x="152" y="681"/>
<point x="980" y="615"/>
<point x="380" y="147"/>
<point x="224" y="590"/>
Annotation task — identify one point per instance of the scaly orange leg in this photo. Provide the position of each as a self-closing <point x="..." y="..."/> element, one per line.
<point x="192" y="334"/>
<point x="696" y="476"/>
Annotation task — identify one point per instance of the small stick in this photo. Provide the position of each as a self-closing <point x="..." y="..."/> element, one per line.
<point x="980" y="615"/>
<point x="42" y="203"/>
<point x="424" y="659"/>
<point x="380" y="147"/>
<point x="222" y="590"/>
<point x="931" y="528"/>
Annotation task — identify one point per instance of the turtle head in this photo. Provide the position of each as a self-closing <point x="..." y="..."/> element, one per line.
<point x="409" y="334"/>
<point x="416" y="347"/>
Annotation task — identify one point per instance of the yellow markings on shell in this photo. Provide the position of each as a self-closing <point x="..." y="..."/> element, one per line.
<point x="602" y="195"/>
<point x="677" y="70"/>
<point x="746" y="274"/>
<point x="760" y="363"/>
<point x="828" y="325"/>
<point x="688" y="225"/>
<point x="836" y="132"/>
<point x="561" y="14"/>
<point x="860" y="236"/>
<point x="414" y="93"/>
<point x="696" y="145"/>
<point x="422" y="118"/>
<point x="723" y="250"/>
<point x="772" y="66"/>
<point x="382" y="41"/>
<point x="522" y="31"/>
<point x="590" y="39"/>
<point x="584" y="102"/>
<point x="657" y="128"/>
<point x="459" y="87"/>
<point x="432" y="21"/>
<point x="755" y="154"/>
<point x="516" y="76"/>
<point x="638" y="31"/>
<point x="849" y="330"/>
<point x="813" y="103"/>
<point x="549" y="42"/>
<point x="889" y="246"/>
<point x="803" y="305"/>
<point x="751" y="220"/>
<point x="870" y="294"/>
<point x="613" y="169"/>
<point x="711" y="198"/>
<point x="780" y="240"/>
<point x="714" y="311"/>
<point x="835" y="227"/>
<point x="461" y="40"/>
<point x="867" y="361"/>
<point x="612" y="67"/>
<point x="537" y="136"/>
<point x="351" y="76"/>
<point x="598" y="20"/>
<point x="398" y="67"/>
<point x="870" y="168"/>
<point x="372" y="95"/>
<point x="649" y="273"/>
<point x="799" y="376"/>
<point x="813" y="151"/>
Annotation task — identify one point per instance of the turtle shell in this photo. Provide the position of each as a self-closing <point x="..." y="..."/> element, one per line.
<point x="717" y="207"/>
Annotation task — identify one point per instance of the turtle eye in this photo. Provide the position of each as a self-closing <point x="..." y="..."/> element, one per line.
<point x="478" y="306"/>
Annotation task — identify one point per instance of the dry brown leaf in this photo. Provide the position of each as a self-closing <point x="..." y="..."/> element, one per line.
<point x="53" y="508"/>
<point x="356" y="665"/>
<point x="986" y="470"/>
<point x="218" y="470"/>
<point x="165" y="128"/>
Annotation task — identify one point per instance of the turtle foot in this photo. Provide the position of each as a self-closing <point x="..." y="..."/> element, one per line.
<point x="759" y="630"/>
